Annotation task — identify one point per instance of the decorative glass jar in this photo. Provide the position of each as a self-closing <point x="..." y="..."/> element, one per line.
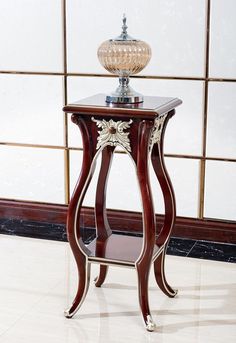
<point x="124" y="56"/>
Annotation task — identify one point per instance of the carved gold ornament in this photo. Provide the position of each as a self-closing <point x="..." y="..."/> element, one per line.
<point x="112" y="133"/>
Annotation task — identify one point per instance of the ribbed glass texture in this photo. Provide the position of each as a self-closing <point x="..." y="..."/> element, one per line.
<point x="124" y="58"/>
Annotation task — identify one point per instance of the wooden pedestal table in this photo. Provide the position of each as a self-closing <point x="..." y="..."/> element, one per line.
<point x="139" y="130"/>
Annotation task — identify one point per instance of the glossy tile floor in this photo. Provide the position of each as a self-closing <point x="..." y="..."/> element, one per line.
<point x="38" y="281"/>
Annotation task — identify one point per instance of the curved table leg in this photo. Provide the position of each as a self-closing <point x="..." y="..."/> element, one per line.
<point x="159" y="271"/>
<point x="143" y="276"/>
<point x="73" y="220"/>
<point x="102" y="276"/>
<point x="103" y="228"/>
<point x="170" y="213"/>
<point x="143" y="263"/>
<point x="83" y="285"/>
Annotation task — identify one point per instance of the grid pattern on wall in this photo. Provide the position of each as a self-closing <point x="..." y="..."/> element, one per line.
<point x="208" y="80"/>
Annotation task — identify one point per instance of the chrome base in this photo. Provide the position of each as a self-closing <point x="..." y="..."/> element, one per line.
<point x="124" y="94"/>
<point x="124" y="99"/>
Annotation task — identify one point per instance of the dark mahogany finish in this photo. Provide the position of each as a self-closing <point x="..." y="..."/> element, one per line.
<point x="170" y="212"/>
<point x="149" y="109"/>
<point x="102" y="225"/>
<point x="139" y="129"/>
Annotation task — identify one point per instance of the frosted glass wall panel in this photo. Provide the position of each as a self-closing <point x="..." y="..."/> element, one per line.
<point x="175" y="30"/>
<point x="220" y="195"/>
<point x="222" y="40"/>
<point x="221" y="134"/>
<point x="156" y="192"/>
<point x="31" y="35"/>
<point x="123" y="192"/>
<point x="82" y="87"/>
<point x="185" y="179"/>
<point x="31" y="109"/>
<point x="184" y="132"/>
<point x="76" y="158"/>
<point x="32" y="174"/>
<point x="184" y="176"/>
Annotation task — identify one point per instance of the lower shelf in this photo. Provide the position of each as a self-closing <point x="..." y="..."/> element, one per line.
<point x="117" y="249"/>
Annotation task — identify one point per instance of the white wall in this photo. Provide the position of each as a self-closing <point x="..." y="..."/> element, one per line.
<point x="32" y="123"/>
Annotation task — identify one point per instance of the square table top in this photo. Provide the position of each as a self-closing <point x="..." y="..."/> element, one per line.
<point x="152" y="107"/>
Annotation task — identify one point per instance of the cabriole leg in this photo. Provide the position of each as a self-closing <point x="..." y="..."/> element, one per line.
<point x="143" y="263"/>
<point x="170" y="211"/>
<point x="159" y="271"/>
<point x="103" y="228"/>
<point x="73" y="219"/>
<point x="102" y="276"/>
<point x="83" y="285"/>
<point x="143" y="275"/>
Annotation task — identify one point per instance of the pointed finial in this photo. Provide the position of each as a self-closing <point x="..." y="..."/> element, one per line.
<point x="124" y="35"/>
<point x="124" y="26"/>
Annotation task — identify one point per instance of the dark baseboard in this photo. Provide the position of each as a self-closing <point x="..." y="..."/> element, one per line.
<point x="33" y="211"/>
<point x="124" y="221"/>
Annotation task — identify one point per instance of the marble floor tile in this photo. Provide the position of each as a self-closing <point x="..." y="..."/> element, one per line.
<point x="176" y="246"/>
<point x="180" y="246"/>
<point x="27" y="228"/>
<point x="213" y="251"/>
<point x="38" y="281"/>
